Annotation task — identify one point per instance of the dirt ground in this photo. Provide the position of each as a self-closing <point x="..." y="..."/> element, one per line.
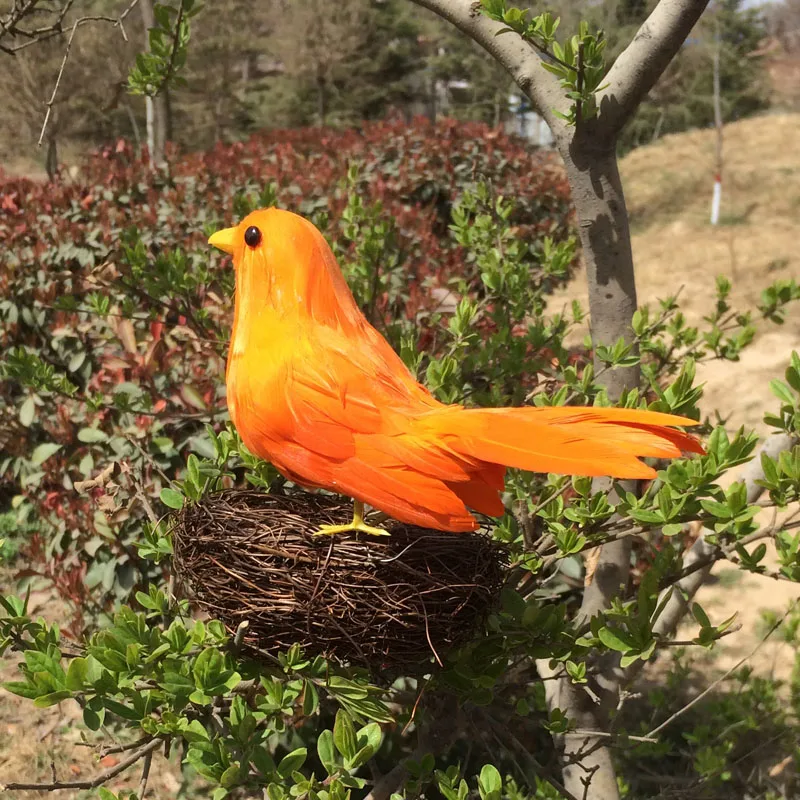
<point x="668" y="188"/>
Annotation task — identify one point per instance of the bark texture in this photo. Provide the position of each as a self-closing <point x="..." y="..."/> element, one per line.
<point x="589" y="154"/>
<point x="156" y="108"/>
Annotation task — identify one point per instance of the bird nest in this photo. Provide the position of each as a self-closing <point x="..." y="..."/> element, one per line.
<point x="393" y="602"/>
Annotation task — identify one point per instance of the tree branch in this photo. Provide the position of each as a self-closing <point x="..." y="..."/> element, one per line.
<point x="641" y="64"/>
<point x="515" y="54"/>
<point x="701" y="551"/>
<point x="730" y="672"/>
<point x="90" y="783"/>
<point x="174" y="51"/>
<point x="436" y="734"/>
<point x="57" y="28"/>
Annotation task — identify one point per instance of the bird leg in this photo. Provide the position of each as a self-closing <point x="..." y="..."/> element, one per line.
<point x="357" y="524"/>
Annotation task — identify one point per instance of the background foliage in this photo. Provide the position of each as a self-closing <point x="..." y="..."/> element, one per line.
<point x="273" y="64"/>
<point x="114" y="325"/>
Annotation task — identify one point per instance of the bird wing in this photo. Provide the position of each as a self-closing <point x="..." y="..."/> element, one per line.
<point x="341" y="415"/>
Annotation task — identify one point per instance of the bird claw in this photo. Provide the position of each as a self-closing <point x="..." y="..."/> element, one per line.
<point x="356" y="527"/>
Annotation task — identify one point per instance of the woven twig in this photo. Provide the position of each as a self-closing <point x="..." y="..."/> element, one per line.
<point x="395" y="601"/>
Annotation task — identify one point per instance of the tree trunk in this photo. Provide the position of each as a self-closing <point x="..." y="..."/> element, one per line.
<point x="322" y="99"/>
<point x="602" y="219"/>
<point x="134" y="128"/>
<point x="51" y="161"/>
<point x="157" y="108"/>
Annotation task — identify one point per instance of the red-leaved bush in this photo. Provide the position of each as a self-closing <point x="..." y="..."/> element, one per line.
<point x="106" y="279"/>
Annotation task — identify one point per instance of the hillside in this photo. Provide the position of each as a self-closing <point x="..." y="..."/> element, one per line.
<point x="668" y="189"/>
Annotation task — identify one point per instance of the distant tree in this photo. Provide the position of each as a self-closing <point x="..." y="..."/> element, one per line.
<point x="684" y="96"/>
<point x="229" y="63"/>
<point x="485" y="87"/>
<point x="90" y="102"/>
<point x="344" y="62"/>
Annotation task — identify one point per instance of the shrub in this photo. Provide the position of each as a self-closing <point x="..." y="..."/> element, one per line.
<point x="113" y="300"/>
<point x="114" y="325"/>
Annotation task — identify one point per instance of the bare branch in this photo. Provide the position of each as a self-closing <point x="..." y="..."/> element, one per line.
<point x="90" y="783"/>
<point x="435" y="735"/>
<point x="519" y="57"/>
<point x="641" y="64"/>
<point x="730" y="672"/>
<point x="58" y="83"/>
<point x="142" y="790"/>
<point x="56" y="29"/>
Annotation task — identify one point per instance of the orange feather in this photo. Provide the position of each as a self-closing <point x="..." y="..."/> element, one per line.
<point x="316" y="390"/>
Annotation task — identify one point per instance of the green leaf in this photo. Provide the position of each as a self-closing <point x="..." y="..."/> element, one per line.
<point x="37" y="661"/>
<point x="700" y="616"/>
<point x="616" y="640"/>
<point x="368" y="709"/>
<point x="344" y="735"/>
<point x="292" y="761"/>
<point x="719" y="510"/>
<point x="91" y="435"/>
<point x="782" y="391"/>
<point x="171" y="498"/>
<point x="77" y="674"/>
<point x="344" y="688"/>
<point x="370" y="734"/>
<point x="121" y="710"/>
<point x="93" y="719"/>
<point x="22" y="689"/>
<point x="310" y="698"/>
<point x="490" y="784"/>
<point x="27" y="411"/>
<point x="43" y="452"/>
<point x="361" y="757"/>
<point x="325" y="751"/>
<point x="51" y="699"/>
<point x="230" y="777"/>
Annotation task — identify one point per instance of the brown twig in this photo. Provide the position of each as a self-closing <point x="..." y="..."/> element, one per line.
<point x="78" y="23"/>
<point x="727" y="674"/>
<point x="148" y="760"/>
<point x="174" y="51"/>
<point x="90" y="783"/>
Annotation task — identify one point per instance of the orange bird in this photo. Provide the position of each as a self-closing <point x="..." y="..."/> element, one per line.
<point x="317" y="391"/>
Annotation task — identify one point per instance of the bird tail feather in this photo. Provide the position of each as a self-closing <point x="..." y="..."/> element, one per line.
<point x="563" y="439"/>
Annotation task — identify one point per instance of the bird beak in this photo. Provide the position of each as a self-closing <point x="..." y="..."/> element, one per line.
<point x="224" y="240"/>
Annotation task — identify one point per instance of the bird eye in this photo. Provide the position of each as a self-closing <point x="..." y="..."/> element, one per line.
<point x="252" y="236"/>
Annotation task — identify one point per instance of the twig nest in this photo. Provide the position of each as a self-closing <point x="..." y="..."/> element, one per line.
<point x="395" y="601"/>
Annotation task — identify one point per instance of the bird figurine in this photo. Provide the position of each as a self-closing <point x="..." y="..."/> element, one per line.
<point x="315" y="389"/>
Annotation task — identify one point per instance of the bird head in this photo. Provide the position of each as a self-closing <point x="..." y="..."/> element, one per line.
<point x="283" y="261"/>
<point x="257" y="235"/>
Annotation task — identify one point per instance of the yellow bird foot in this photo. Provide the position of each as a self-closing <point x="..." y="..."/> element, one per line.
<point x="357" y="525"/>
<point x="362" y="527"/>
